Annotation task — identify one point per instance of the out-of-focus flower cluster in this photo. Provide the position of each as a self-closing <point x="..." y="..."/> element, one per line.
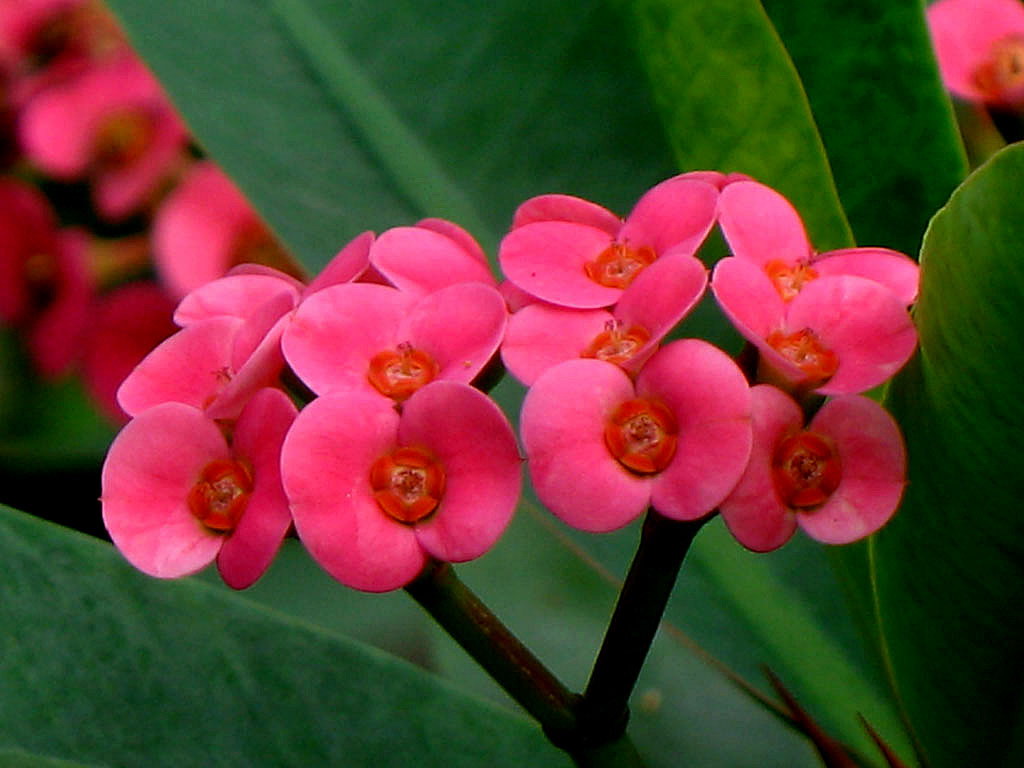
<point x="107" y="215"/>
<point x="353" y="406"/>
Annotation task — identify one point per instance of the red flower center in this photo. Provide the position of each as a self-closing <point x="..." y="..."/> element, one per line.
<point x="788" y="279"/>
<point x="407" y="483"/>
<point x="617" y="344"/>
<point x="1002" y="74"/>
<point x="805" y="350"/>
<point x="122" y="138"/>
<point x="221" y="494"/>
<point x="806" y="470"/>
<point x="397" y="373"/>
<point x="641" y="435"/>
<point x="619" y="264"/>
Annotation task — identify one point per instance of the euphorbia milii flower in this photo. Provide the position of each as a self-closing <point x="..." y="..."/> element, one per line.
<point x="375" y="493"/>
<point x="112" y="124"/>
<point x="386" y="342"/>
<point x="204" y="227"/>
<point x="600" y="448"/>
<point x="763" y="229"/>
<point x="840" y="478"/>
<point x="574" y="253"/>
<point x="838" y="335"/>
<point x="542" y="335"/>
<point x="429" y="256"/>
<point x="980" y="48"/>
<point x="178" y="494"/>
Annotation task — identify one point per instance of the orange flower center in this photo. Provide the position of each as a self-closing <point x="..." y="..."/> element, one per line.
<point x="805" y="350"/>
<point x="789" y="279"/>
<point x="407" y="483"/>
<point x="221" y="494"/>
<point x="617" y="344"/>
<point x="122" y="138"/>
<point x="397" y="373"/>
<point x="619" y="264"/>
<point x="1003" y="71"/>
<point x="806" y="470"/>
<point x="641" y="435"/>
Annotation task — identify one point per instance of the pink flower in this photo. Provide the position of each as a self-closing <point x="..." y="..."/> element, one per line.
<point x="385" y="342"/>
<point x="111" y="124"/>
<point x="177" y="494"/>
<point x="430" y="256"/>
<point x="601" y="449"/>
<point x="126" y="324"/>
<point x="840" y="478"/>
<point x="980" y="48"/>
<point x="46" y="289"/>
<point x="375" y="493"/>
<point x="838" y="335"/>
<point x="541" y="335"/>
<point x="204" y="227"/>
<point x="763" y="228"/>
<point x="574" y="253"/>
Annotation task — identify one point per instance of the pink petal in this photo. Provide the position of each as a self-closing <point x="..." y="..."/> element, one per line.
<point x="151" y="467"/>
<point x="896" y="271"/>
<point x="747" y="297"/>
<point x="675" y="215"/>
<point x="566" y="208"/>
<point x="760" y="225"/>
<point x="540" y="336"/>
<point x="470" y="436"/>
<point x="460" y="326"/>
<point x="203" y="349"/>
<point x="874" y="471"/>
<point x="710" y="398"/>
<point x="420" y="260"/>
<point x="259" y="433"/>
<point x="753" y="512"/>
<point x="325" y="468"/>
<point x="963" y="32"/>
<point x="349" y="263"/>
<point x="335" y="333"/>
<point x="457" y="234"/>
<point x="659" y="298"/>
<point x="562" y="426"/>
<point x="235" y="295"/>
<point x="863" y="322"/>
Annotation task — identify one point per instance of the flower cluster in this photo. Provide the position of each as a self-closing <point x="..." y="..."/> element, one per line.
<point x="96" y="160"/>
<point x="347" y="407"/>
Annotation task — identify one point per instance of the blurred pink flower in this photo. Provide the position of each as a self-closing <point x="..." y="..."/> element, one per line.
<point x="601" y="449"/>
<point x="110" y="124"/>
<point x="762" y="227"/>
<point x="541" y="335"/>
<point x="177" y="494"/>
<point x="840" y="478"/>
<point x="388" y="343"/>
<point x="980" y="48"/>
<point x="45" y="286"/>
<point x="375" y="493"/>
<point x="574" y="253"/>
<point x="204" y="227"/>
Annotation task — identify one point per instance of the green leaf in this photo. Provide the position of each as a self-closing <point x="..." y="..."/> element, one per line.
<point x="338" y="117"/>
<point x="883" y="113"/>
<point x="950" y="566"/>
<point x="100" y="664"/>
<point x="17" y="758"/>
<point x="731" y="100"/>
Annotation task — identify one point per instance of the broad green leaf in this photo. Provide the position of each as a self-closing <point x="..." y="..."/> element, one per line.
<point x="338" y="117"/>
<point x="17" y="758"/>
<point x="731" y="100"/>
<point x="100" y="664"/>
<point x="885" y="119"/>
<point x="950" y="566"/>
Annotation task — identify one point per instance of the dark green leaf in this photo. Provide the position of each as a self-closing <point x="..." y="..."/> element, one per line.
<point x="950" y="566"/>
